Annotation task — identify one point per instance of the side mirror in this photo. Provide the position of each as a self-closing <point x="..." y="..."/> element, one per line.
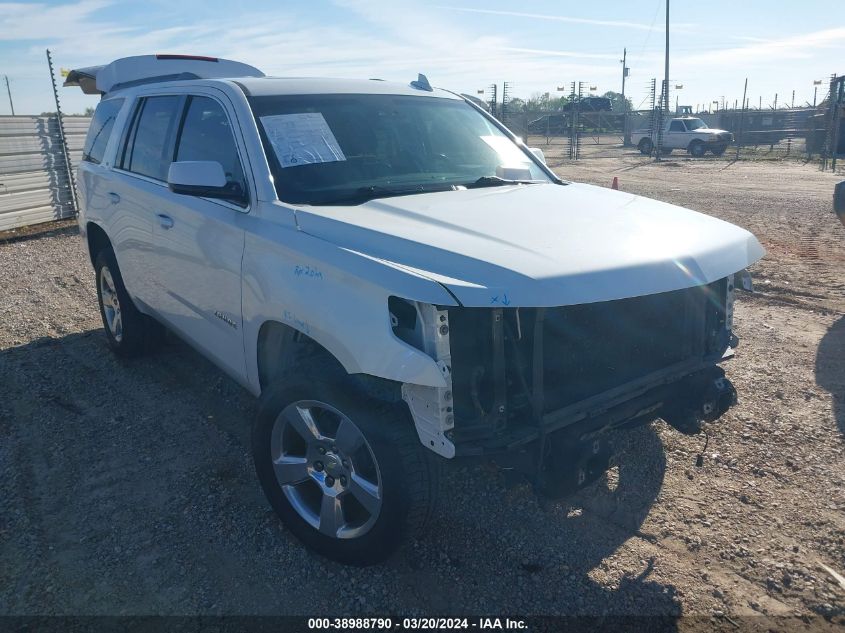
<point x="203" y="178"/>
<point x="839" y="201"/>
<point x="538" y="153"/>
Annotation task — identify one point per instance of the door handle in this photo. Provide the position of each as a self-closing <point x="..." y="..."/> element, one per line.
<point x="165" y="221"/>
<point x="114" y="197"/>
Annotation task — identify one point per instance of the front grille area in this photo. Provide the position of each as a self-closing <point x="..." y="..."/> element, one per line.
<point x="586" y="350"/>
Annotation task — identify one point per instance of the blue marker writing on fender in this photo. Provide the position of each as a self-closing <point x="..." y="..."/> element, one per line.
<point x="307" y="271"/>
<point x="298" y="323"/>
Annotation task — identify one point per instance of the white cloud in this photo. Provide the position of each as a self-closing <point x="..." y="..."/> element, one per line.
<point x="38" y="21"/>
<point x="551" y="53"/>
<point x="385" y="40"/>
<point x="564" y="18"/>
<point x="369" y="38"/>
<point x="803" y="46"/>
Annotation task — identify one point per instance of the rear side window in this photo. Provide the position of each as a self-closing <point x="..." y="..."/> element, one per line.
<point x="100" y="130"/>
<point x="207" y="135"/>
<point x="149" y="150"/>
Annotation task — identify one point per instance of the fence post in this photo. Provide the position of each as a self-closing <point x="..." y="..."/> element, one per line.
<point x="62" y="140"/>
<point x="741" y="120"/>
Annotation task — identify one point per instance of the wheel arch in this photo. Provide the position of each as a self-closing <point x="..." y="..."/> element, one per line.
<point x="97" y="240"/>
<point x="281" y="348"/>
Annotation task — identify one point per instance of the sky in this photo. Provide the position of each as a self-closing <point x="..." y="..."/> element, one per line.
<point x="460" y="45"/>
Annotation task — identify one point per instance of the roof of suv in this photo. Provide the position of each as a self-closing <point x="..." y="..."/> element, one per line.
<point x="271" y="86"/>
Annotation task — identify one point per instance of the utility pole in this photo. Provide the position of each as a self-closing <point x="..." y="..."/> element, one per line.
<point x="792" y="105"/>
<point x="665" y="105"/>
<point x="626" y="137"/>
<point x="9" y="90"/>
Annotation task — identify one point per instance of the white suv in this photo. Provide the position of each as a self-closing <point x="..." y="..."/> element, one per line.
<point x="400" y="280"/>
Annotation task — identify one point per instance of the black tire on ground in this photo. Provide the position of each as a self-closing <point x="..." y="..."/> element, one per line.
<point x="408" y="472"/>
<point x="137" y="332"/>
<point x="696" y="149"/>
<point x="645" y="146"/>
<point x="718" y="150"/>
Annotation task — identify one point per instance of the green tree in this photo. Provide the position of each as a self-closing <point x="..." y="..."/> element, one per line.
<point x="616" y="101"/>
<point x="516" y="105"/>
<point x="545" y="102"/>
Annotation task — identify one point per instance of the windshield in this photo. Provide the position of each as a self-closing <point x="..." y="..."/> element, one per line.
<point x="334" y="149"/>
<point x="695" y="124"/>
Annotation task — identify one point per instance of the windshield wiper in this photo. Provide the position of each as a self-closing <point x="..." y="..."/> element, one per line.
<point x="495" y="181"/>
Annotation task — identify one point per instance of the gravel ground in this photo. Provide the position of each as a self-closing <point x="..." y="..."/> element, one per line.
<point x="127" y="487"/>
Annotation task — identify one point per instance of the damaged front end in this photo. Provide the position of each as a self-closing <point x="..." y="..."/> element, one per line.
<point x="540" y="388"/>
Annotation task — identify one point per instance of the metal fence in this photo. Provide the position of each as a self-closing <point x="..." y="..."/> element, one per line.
<point x="801" y="133"/>
<point x="34" y="184"/>
<point x="811" y="132"/>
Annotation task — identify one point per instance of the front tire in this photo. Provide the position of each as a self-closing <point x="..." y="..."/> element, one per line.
<point x="645" y="146"/>
<point x="129" y="332"/>
<point x="697" y="149"/>
<point x="346" y="474"/>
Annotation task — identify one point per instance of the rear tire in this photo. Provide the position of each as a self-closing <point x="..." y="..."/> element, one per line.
<point x="645" y="146"/>
<point x="129" y="332"/>
<point x="696" y="149"/>
<point x="346" y="474"/>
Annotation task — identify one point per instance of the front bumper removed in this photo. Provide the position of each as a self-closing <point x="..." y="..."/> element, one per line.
<point x="562" y="461"/>
<point x="704" y="397"/>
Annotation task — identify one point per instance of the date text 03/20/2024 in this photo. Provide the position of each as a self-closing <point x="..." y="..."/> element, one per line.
<point x="416" y="623"/>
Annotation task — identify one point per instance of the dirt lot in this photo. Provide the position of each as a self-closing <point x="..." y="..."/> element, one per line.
<point x="127" y="488"/>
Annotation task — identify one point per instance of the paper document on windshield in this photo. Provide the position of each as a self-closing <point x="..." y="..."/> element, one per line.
<point x="302" y="139"/>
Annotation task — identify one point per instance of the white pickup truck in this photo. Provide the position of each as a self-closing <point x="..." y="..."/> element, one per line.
<point x="400" y="280"/>
<point x="689" y="133"/>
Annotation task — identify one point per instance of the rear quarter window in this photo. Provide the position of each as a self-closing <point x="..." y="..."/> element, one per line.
<point x="100" y="130"/>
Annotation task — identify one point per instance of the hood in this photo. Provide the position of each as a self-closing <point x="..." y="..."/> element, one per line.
<point x="711" y="130"/>
<point x="539" y="245"/>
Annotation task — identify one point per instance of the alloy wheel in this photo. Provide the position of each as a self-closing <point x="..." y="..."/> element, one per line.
<point x="326" y="469"/>
<point x="111" y="304"/>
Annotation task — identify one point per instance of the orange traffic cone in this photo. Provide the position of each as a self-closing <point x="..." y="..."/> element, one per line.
<point x="615" y="183"/>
